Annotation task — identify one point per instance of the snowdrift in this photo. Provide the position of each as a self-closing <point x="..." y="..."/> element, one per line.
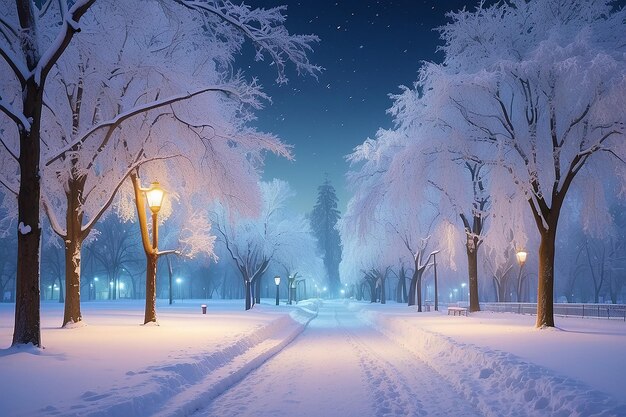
<point x="497" y="383"/>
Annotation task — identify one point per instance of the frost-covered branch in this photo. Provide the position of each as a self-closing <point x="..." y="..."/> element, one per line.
<point x="8" y="150"/>
<point x="8" y="30"/>
<point x="52" y="218"/>
<point x="20" y="70"/>
<point x="8" y="187"/>
<point x="15" y="115"/>
<point x="86" y="229"/>
<point x="114" y="123"/>
<point x="264" y="27"/>
<point x="69" y="27"/>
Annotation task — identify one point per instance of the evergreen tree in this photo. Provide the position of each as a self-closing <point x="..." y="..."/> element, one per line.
<point x="323" y="222"/>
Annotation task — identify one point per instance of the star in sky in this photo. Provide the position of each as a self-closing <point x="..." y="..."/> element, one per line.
<point x="368" y="49"/>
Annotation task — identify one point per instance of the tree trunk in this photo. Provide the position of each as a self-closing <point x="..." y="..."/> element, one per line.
<point x="372" y="285"/>
<point x="151" y="269"/>
<point x="383" y="290"/>
<point x="413" y="290"/>
<point x="257" y="290"/>
<point x="73" y="246"/>
<point x="27" y="303"/>
<point x="419" y="292"/>
<point x="248" y="293"/>
<point x="472" y="263"/>
<point x="545" y="287"/>
<point x="401" y="288"/>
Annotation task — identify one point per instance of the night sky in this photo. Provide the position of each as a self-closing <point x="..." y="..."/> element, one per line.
<point x="368" y="49"/>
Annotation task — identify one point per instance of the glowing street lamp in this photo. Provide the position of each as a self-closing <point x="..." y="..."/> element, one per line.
<point x="180" y="293"/>
<point x="521" y="260"/>
<point x="153" y="196"/>
<point x="277" y="282"/>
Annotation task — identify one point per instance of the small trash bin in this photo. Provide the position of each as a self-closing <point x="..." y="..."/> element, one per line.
<point x="203" y="308"/>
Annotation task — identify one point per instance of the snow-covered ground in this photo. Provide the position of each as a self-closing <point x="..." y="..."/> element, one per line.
<point x="505" y="366"/>
<point x="115" y="366"/>
<point x="352" y="359"/>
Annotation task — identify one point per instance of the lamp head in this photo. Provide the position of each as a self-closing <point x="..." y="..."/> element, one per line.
<point x="154" y="195"/>
<point x="521" y="257"/>
<point x="277" y="280"/>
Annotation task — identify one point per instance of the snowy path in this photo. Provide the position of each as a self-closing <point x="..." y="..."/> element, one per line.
<point x="340" y="366"/>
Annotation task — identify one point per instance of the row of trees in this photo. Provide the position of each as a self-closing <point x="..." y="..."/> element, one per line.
<point x="93" y="93"/>
<point x="526" y="107"/>
<point x="111" y="264"/>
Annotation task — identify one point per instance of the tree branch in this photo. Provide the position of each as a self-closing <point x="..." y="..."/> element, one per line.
<point x="112" y="124"/>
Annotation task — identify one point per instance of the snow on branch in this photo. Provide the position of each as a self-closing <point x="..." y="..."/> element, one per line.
<point x="69" y="27"/>
<point x="112" y="124"/>
<point x="19" y="68"/>
<point x="265" y="28"/>
<point x="15" y="115"/>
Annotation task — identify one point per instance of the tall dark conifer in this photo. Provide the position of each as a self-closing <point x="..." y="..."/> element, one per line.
<point x="323" y="222"/>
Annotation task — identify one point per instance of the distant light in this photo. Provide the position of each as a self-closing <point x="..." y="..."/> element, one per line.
<point x="325" y="288"/>
<point x="96" y="279"/>
<point x="463" y="284"/>
<point x="343" y="291"/>
<point x="120" y="286"/>
<point x="179" y="280"/>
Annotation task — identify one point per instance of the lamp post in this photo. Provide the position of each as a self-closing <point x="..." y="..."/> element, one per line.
<point x="277" y="282"/>
<point x="290" y="285"/>
<point x="154" y="195"/>
<point x="521" y="260"/>
<point x="154" y="198"/>
<point x="436" y="289"/>
<point x="180" y="292"/>
<point x="302" y="281"/>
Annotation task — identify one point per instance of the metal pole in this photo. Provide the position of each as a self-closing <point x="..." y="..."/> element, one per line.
<point x="436" y="291"/>
<point x="169" y="265"/>
<point x="519" y="283"/>
<point x="155" y="231"/>
<point x="276" y="294"/>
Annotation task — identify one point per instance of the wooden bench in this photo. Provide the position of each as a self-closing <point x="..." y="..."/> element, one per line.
<point x="462" y="311"/>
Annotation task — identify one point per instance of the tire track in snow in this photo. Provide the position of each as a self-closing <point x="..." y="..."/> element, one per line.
<point x="340" y="366"/>
<point x="401" y="384"/>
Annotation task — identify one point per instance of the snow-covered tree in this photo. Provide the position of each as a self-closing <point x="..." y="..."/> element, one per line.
<point x="426" y="152"/>
<point x="33" y="38"/>
<point x="539" y="88"/>
<point x="393" y="202"/>
<point x="253" y="242"/>
<point x="122" y="84"/>
<point x="298" y="258"/>
<point x="324" y="219"/>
